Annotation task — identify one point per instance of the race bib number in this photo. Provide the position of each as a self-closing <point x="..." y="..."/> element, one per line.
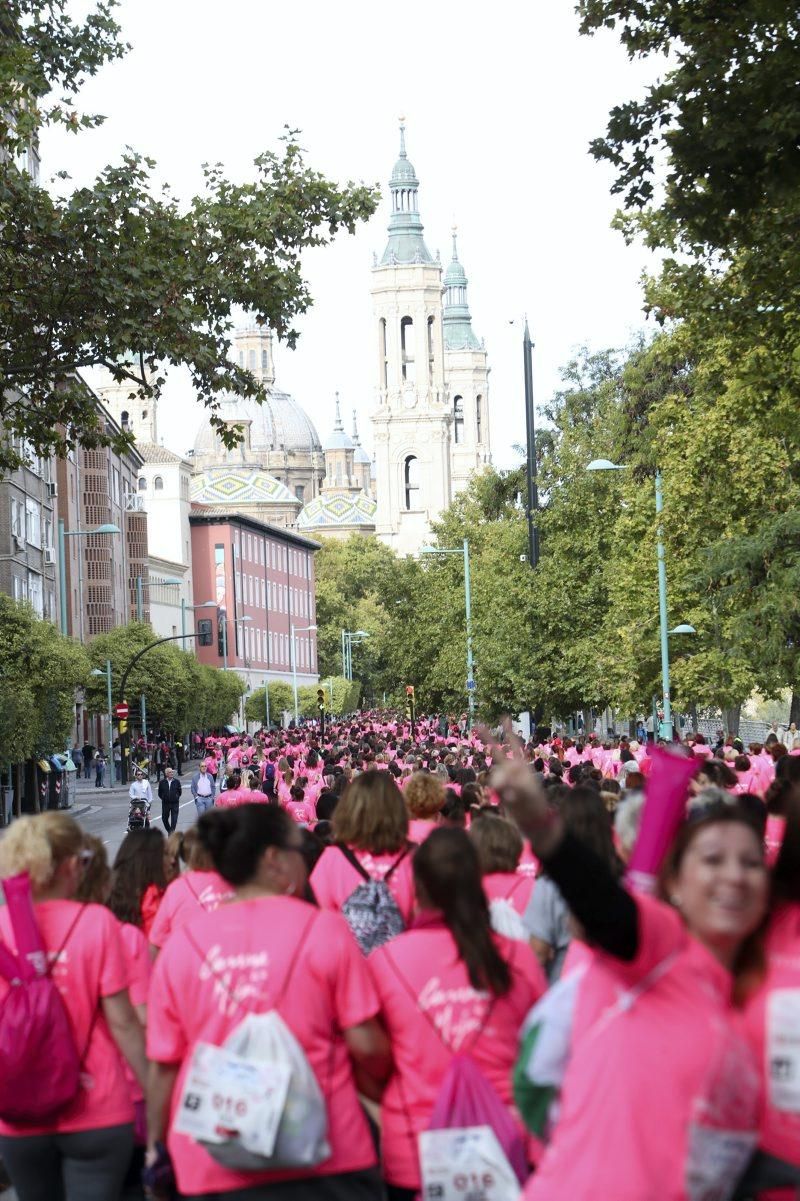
<point x="465" y="1164"/>
<point x="225" y="1097"/>
<point x="783" y="1048"/>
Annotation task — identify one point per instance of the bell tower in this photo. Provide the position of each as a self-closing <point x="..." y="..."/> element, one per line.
<point x="467" y="375"/>
<point x="412" y="419"/>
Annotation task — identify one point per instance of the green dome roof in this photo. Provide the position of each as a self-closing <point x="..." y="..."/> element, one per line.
<point x="406" y="244"/>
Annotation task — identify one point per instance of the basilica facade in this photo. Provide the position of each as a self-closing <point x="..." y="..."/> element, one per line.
<point x="430" y="418"/>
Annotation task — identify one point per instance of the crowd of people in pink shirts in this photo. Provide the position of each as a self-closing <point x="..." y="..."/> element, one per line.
<point x="560" y="970"/>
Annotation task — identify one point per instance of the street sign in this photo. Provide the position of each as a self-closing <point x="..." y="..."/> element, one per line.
<point x="470" y="685"/>
<point x="121" y="710"/>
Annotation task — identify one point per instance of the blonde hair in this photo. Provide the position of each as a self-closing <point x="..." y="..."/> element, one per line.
<point x="498" y="843"/>
<point x="39" y="845"/>
<point x="424" y="795"/>
<point x="371" y="814"/>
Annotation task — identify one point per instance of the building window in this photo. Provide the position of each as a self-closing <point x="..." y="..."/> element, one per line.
<point x="241" y="358"/>
<point x="142" y="484"/>
<point x="33" y="522"/>
<point x="384" y="361"/>
<point x="158" y="484"/>
<point x="478" y="416"/>
<point x="35" y="594"/>
<point x="430" y="349"/>
<point x="16" y="518"/>
<point x="411" y="481"/>
<point x="407" y="349"/>
<point x="264" y="360"/>
<point x="458" y="419"/>
<point x="252" y="358"/>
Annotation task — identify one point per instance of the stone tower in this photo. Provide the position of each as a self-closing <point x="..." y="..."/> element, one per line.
<point x="467" y="375"/>
<point x="413" y="418"/>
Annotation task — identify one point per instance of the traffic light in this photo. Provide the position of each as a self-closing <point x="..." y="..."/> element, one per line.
<point x="205" y="636"/>
<point x="411" y="705"/>
<point x="320" y="698"/>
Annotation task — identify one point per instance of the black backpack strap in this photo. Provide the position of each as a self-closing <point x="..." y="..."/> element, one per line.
<point x="353" y="860"/>
<point x="410" y="846"/>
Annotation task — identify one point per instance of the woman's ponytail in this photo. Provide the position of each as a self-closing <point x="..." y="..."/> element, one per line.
<point x="446" y="868"/>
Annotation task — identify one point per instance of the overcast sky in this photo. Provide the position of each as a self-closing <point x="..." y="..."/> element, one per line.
<point x="500" y="100"/>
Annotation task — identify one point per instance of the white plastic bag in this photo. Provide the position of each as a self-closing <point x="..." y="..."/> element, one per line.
<point x="465" y="1163"/>
<point x="231" y="1105"/>
<point x="506" y="921"/>
<point x="255" y="1103"/>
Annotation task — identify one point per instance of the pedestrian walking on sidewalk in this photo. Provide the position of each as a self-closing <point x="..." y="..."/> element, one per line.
<point x="88" y="759"/>
<point x="203" y="789"/>
<point x="99" y="767"/>
<point x="169" y="792"/>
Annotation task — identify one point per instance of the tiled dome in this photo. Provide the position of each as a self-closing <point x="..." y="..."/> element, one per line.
<point x="337" y="509"/>
<point x="238" y="486"/>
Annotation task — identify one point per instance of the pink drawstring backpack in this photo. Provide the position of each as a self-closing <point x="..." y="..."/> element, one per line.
<point x="39" y="1064"/>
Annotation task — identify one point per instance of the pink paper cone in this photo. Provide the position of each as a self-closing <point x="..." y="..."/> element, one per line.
<point x="664" y="810"/>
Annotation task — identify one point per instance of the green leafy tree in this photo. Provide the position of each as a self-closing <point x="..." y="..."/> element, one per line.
<point x="280" y="699"/>
<point x="40" y="671"/>
<point x="124" y="276"/>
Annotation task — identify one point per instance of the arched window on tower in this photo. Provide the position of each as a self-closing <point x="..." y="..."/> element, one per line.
<point x="158" y="484"/>
<point x="430" y="349"/>
<point x="252" y="360"/>
<point x="411" y="482"/>
<point x="384" y="361"/>
<point x="407" y="349"/>
<point x="264" y="360"/>
<point x="479" y="416"/>
<point x="458" y="419"/>
<point x="142" y="484"/>
<point x="241" y="358"/>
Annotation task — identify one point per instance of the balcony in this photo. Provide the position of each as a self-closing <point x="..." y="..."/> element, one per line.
<point x="134" y="503"/>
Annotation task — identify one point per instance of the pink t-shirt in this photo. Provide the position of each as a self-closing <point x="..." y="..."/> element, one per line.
<point x="231" y="797"/>
<point x="184" y="899"/>
<point x="768" y="1031"/>
<point x="431" y="1012"/>
<point x="509" y="886"/>
<point x="92" y="965"/>
<point x="419" y="828"/>
<point x="678" y="1041"/>
<point x="243" y="952"/>
<point x="334" y="879"/>
<point x="137" y="956"/>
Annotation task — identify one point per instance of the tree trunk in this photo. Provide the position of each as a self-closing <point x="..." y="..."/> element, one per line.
<point x="730" y="719"/>
<point x="794" y="709"/>
<point x="693" y="716"/>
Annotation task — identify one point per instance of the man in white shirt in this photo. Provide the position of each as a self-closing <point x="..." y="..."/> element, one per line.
<point x="140" y="789"/>
<point x="203" y="789"/>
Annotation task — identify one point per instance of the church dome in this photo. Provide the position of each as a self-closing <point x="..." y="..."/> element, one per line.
<point x="279" y="424"/>
<point x="332" y="510"/>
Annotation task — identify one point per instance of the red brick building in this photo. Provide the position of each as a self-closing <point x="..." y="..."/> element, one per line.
<point x="261" y="578"/>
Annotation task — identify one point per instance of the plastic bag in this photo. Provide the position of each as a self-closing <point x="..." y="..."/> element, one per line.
<point x="472" y="1136"/>
<point x="268" y="1079"/>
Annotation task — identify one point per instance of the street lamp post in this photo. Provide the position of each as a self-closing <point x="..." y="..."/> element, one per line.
<point x="63" y="534"/>
<point x="294" y="630"/>
<point x="236" y="622"/>
<point x="349" y="639"/>
<point x="98" y="671"/>
<point x="664" y="632"/>
<point x="464" y="552"/>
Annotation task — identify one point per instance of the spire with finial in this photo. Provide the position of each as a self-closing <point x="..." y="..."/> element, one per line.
<point x="456" y="319"/>
<point x="338" y="440"/>
<point x="406" y="244"/>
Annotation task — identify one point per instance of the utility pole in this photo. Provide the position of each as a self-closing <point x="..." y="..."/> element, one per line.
<point x="530" y="425"/>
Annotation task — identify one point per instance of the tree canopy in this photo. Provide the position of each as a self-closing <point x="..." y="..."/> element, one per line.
<point x="125" y="276"/>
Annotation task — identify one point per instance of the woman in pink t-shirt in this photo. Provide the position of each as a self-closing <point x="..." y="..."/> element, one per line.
<point x="447" y="986"/>
<point x="84" y="1151"/>
<point x="139" y="881"/>
<point x="773" y="1025"/>
<point x="424" y="796"/>
<point x="266" y="950"/>
<point x="201" y="889"/>
<point x="655" y="1014"/>
<point x="371" y="823"/>
<point x="499" y="846"/>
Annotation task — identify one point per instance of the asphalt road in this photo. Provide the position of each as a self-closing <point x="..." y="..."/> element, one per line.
<point x="104" y="812"/>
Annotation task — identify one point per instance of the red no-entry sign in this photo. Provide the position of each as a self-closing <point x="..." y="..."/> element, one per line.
<point x="121" y="710"/>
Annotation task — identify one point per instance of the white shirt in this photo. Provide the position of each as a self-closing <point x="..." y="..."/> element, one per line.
<point x="140" y="790"/>
<point x="204" y="785"/>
